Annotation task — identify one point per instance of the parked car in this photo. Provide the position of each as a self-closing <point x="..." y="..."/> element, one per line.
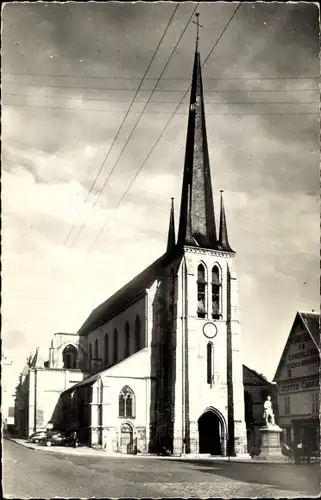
<point x="60" y="438"/>
<point x="36" y="437"/>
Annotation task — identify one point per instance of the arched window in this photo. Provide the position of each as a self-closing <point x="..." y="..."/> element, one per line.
<point x="90" y="355"/>
<point x="137" y="333"/>
<point x="126" y="340"/>
<point x="210" y="367"/>
<point x="69" y="357"/>
<point x="115" y="346"/>
<point x="96" y="349"/>
<point x="201" y="292"/>
<point x="106" y="353"/>
<point x="172" y="294"/>
<point x="121" y="405"/>
<point x="216" y="290"/>
<point x="126" y="403"/>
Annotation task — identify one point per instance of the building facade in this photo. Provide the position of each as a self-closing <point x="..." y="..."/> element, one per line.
<point x="41" y="383"/>
<point x="158" y="365"/>
<point x="298" y="381"/>
<point x="7" y="392"/>
<point x="165" y="350"/>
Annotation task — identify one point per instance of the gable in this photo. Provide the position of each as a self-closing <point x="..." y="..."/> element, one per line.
<point x="312" y="323"/>
<point x="300" y="355"/>
<point x="251" y="377"/>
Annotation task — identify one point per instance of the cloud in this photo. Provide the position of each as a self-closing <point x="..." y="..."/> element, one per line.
<point x="266" y="164"/>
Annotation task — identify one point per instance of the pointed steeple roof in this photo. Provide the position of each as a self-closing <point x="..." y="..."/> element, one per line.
<point x="197" y="221"/>
<point x="171" y="240"/>
<point x="223" y="237"/>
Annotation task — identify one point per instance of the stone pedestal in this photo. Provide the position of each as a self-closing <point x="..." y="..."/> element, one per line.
<point x="271" y="448"/>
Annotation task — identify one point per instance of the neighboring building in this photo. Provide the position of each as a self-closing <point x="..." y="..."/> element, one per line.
<point x="7" y="392"/>
<point x="41" y="383"/>
<point x="164" y="351"/>
<point x="256" y="390"/>
<point x="298" y="380"/>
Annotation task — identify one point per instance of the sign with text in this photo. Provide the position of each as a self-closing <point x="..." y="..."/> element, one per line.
<point x="301" y="385"/>
<point x="301" y="358"/>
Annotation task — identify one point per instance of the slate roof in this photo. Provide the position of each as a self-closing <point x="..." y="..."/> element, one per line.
<point x="311" y="321"/>
<point x="133" y="290"/>
<point x="260" y="379"/>
<point x="87" y="381"/>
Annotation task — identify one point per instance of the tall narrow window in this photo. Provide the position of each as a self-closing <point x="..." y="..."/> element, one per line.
<point x="127" y="340"/>
<point x="201" y="292"/>
<point x="137" y="333"/>
<point x="96" y="349"/>
<point x="216" y="287"/>
<point x="126" y="403"/>
<point x="106" y="353"/>
<point x="121" y="405"/>
<point x="115" y="346"/>
<point x="129" y="406"/>
<point x="287" y="405"/>
<point x="315" y="402"/>
<point x="210" y="366"/>
<point x="172" y="295"/>
<point x="90" y="355"/>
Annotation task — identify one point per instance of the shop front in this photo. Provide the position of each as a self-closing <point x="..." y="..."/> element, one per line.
<point x="298" y="382"/>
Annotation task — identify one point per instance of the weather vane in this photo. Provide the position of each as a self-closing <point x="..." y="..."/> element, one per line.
<point x="198" y="25"/>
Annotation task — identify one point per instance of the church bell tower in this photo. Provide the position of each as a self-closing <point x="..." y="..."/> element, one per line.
<point x="208" y="394"/>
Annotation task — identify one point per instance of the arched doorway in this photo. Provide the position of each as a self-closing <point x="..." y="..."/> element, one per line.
<point x="211" y="433"/>
<point x="126" y="439"/>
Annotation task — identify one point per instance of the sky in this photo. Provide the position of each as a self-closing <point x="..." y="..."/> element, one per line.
<point x="83" y="214"/>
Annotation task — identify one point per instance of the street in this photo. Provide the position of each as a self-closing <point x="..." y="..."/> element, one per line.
<point x="45" y="474"/>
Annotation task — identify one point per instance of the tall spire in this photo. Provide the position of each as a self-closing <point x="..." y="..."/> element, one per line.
<point x="197" y="29"/>
<point x="171" y="241"/>
<point x="197" y="221"/>
<point x="223" y="237"/>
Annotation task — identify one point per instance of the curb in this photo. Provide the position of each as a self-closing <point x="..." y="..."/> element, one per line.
<point x="24" y="445"/>
<point x="103" y="454"/>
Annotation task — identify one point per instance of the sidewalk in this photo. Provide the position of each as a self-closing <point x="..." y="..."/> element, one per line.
<point x="88" y="451"/>
<point x="66" y="450"/>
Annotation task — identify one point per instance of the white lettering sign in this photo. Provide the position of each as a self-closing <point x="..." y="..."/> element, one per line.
<point x="300" y="386"/>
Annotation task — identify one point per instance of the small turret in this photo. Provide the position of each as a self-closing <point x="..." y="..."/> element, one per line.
<point x="223" y="237"/>
<point x="171" y="239"/>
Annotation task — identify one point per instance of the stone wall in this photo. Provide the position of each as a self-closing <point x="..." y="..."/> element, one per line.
<point x="45" y="387"/>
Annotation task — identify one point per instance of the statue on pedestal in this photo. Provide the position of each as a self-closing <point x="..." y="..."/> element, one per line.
<point x="268" y="414"/>
<point x="270" y="445"/>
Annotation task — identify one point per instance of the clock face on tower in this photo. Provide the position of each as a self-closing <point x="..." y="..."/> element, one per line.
<point x="210" y="330"/>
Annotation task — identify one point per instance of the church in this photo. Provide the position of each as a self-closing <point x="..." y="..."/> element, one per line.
<point x="158" y="366"/>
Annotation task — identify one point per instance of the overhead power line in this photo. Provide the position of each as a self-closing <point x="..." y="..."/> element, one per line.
<point x="150" y="90"/>
<point x="163" y="131"/>
<point x="60" y="108"/>
<point x="79" y="77"/>
<point x="135" y="126"/>
<point x="122" y="123"/>
<point x="72" y="98"/>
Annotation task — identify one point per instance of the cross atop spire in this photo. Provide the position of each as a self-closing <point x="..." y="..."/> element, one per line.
<point x="198" y="25"/>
